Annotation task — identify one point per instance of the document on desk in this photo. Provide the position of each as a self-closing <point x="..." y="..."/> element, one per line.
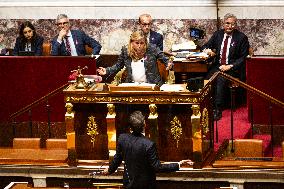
<point x="168" y="87"/>
<point x="190" y="56"/>
<point x="197" y="54"/>
<point x="136" y="84"/>
<point x="133" y="87"/>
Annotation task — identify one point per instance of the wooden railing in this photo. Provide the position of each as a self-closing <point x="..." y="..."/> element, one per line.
<point x="29" y="107"/>
<point x="270" y="100"/>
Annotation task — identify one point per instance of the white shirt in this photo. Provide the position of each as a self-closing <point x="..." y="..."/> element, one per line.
<point x="228" y="47"/>
<point x="138" y="71"/>
<point x="28" y="47"/>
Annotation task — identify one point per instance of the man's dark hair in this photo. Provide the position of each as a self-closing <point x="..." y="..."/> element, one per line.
<point x="137" y="122"/>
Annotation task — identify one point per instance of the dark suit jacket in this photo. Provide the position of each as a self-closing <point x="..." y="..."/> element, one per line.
<point x="80" y="39"/>
<point x="156" y="39"/>
<point x="141" y="161"/>
<point x="153" y="53"/>
<point x="36" y="46"/>
<point x="238" y="49"/>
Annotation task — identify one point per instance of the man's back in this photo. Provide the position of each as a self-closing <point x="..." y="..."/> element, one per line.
<point x="136" y="151"/>
<point x="141" y="161"/>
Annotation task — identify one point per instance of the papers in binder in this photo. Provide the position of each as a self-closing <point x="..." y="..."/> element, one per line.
<point x="167" y="87"/>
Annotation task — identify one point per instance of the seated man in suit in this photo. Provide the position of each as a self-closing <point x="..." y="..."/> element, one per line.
<point x="145" y="23"/>
<point x="230" y="48"/>
<point x="71" y="42"/>
<point x="140" y="157"/>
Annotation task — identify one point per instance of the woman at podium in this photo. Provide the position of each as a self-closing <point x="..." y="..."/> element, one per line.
<point x="140" y="61"/>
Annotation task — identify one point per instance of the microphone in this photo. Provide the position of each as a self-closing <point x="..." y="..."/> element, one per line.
<point x="97" y="171"/>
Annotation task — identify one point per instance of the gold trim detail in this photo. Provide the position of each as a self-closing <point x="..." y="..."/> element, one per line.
<point x="195" y="121"/>
<point x="92" y="129"/>
<point x="205" y="121"/>
<point x="176" y="129"/>
<point x="69" y="111"/>
<point x="142" y="99"/>
<point x="153" y="111"/>
<point x="205" y="93"/>
<point x="111" y="111"/>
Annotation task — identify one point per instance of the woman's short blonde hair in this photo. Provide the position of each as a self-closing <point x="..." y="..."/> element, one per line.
<point x="136" y="35"/>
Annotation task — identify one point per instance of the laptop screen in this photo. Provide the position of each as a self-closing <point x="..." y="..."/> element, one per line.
<point x="196" y="33"/>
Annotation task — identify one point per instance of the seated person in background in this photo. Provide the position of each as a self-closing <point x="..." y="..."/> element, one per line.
<point x="28" y="40"/>
<point x="3" y="50"/>
<point x="140" y="157"/>
<point x="229" y="60"/>
<point x="145" y="23"/>
<point x="71" y="42"/>
<point x="140" y="60"/>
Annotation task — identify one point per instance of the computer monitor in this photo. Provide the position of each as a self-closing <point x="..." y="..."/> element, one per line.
<point x="26" y="53"/>
<point x="196" y="33"/>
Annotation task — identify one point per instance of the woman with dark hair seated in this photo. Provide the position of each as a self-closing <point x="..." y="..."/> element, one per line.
<point x="28" y="40"/>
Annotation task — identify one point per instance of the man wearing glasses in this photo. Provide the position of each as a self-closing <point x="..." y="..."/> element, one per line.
<point x="71" y="42"/>
<point x="229" y="47"/>
<point x="145" y="23"/>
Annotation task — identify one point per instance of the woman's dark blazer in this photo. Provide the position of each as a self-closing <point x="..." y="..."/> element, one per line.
<point x="36" y="46"/>
<point x="152" y="54"/>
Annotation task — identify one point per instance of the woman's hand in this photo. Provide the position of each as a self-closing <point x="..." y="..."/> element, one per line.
<point x="170" y="66"/>
<point x="101" y="71"/>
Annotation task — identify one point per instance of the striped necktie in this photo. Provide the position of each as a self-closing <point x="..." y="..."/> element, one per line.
<point x="224" y="52"/>
<point x="68" y="47"/>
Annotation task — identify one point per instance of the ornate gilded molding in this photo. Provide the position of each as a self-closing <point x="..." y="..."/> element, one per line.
<point x="92" y="129"/>
<point x="195" y="121"/>
<point x="153" y="111"/>
<point x="196" y="129"/>
<point x="205" y="121"/>
<point x="69" y="111"/>
<point x="111" y="111"/>
<point x="205" y="93"/>
<point x="176" y="129"/>
<point x="171" y="77"/>
<point x="128" y="99"/>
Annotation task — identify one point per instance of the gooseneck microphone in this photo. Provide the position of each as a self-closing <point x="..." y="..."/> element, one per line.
<point x="94" y="173"/>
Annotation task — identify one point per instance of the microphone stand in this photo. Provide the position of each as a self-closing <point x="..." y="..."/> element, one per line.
<point x="94" y="173"/>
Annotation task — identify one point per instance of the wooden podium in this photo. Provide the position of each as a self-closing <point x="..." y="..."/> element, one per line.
<point x="179" y="121"/>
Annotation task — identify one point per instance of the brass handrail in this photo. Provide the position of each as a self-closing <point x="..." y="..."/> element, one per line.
<point x="35" y="103"/>
<point x="252" y="89"/>
<point x="246" y="86"/>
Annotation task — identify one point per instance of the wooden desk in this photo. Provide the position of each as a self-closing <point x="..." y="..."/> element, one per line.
<point x="105" y="114"/>
<point x="33" y="156"/>
<point x="15" y="185"/>
<point x="275" y="163"/>
<point x="186" y="69"/>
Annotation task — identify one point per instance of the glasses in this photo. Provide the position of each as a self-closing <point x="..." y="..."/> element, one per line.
<point x="230" y="24"/>
<point x="146" y="24"/>
<point x="62" y="23"/>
